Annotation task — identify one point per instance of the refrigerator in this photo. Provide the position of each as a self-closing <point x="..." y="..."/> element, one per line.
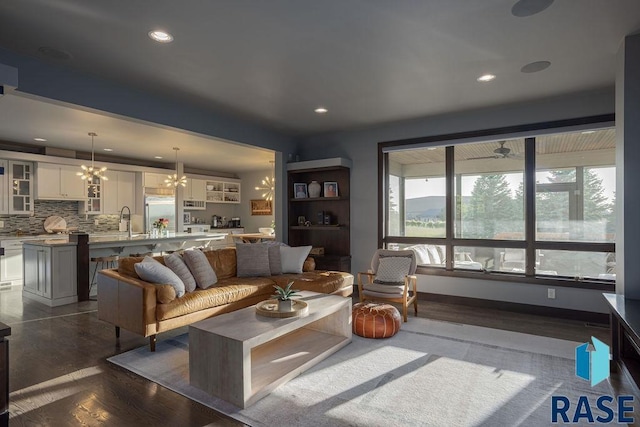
<point x="158" y="206"/>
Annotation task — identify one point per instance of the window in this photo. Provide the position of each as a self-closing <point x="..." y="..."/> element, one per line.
<point x="464" y="207"/>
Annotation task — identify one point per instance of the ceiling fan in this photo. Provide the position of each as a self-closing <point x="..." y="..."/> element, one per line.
<point x="501" y="152"/>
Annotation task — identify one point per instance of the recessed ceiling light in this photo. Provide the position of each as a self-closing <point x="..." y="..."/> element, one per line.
<point x="486" y="77"/>
<point x="524" y="8"/>
<point x="40" y="139"/>
<point x="534" y="67"/>
<point x="108" y="149"/>
<point x="161" y="36"/>
<point x="321" y="110"/>
<point x="157" y="157"/>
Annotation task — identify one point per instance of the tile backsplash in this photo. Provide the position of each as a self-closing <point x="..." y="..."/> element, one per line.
<point x="65" y="209"/>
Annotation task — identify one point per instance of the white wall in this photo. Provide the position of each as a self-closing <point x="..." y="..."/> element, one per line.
<point x="361" y="147"/>
<point x="251" y="223"/>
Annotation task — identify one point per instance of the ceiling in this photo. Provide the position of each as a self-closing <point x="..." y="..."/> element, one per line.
<point x="273" y="62"/>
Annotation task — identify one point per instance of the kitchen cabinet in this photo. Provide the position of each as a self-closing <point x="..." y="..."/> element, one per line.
<point x="92" y="205"/>
<point x="155" y="180"/>
<point x="223" y="191"/>
<point x="119" y="191"/>
<point x="11" y="262"/>
<point x="17" y="188"/>
<point x="50" y="273"/>
<point x="195" y="194"/>
<point x="60" y="182"/>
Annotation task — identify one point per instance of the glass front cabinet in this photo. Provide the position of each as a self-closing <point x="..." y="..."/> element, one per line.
<point x="20" y="187"/>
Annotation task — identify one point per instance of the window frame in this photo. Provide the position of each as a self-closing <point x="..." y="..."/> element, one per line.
<point x="530" y="244"/>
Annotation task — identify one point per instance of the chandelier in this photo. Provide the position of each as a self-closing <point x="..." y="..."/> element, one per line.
<point x="173" y="180"/>
<point x="268" y="186"/>
<point x="91" y="172"/>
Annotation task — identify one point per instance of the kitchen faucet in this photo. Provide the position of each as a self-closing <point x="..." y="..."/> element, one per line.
<point x="128" y="221"/>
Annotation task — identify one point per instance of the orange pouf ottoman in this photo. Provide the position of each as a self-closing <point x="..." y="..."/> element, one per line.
<point x="375" y="320"/>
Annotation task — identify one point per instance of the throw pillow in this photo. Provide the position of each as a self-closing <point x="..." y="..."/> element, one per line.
<point x="152" y="271"/>
<point x="253" y="260"/>
<point x="392" y="269"/>
<point x="275" y="262"/>
<point x="200" y="268"/>
<point x="178" y="266"/>
<point x="293" y="258"/>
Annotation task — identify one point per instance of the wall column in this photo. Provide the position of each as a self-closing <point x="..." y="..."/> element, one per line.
<point x="628" y="168"/>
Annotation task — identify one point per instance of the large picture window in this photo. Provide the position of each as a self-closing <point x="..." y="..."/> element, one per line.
<point x="539" y="207"/>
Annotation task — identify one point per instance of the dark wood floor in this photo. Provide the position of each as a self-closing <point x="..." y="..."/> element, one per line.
<point x="59" y="374"/>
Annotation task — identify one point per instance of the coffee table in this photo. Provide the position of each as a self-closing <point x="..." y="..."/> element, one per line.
<point x="242" y="356"/>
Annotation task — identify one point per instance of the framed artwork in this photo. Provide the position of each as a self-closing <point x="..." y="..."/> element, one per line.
<point x="186" y="218"/>
<point x="330" y="189"/>
<point x="261" y="207"/>
<point x="300" y="190"/>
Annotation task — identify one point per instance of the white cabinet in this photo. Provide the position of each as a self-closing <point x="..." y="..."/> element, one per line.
<point x="222" y="191"/>
<point x="11" y="262"/>
<point x="119" y="191"/>
<point x="195" y="194"/>
<point x="50" y="274"/>
<point x="4" y="187"/>
<point x="154" y="180"/>
<point x="60" y="182"/>
<point x="19" y="188"/>
<point x="92" y="205"/>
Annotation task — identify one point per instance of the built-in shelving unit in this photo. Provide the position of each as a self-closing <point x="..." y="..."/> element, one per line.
<point x="223" y="192"/>
<point x="305" y="214"/>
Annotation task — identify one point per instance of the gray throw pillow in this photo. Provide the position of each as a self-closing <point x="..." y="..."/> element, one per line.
<point x="200" y="268"/>
<point x="252" y="260"/>
<point x="275" y="262"/>
<point x="393" y="269"/>
<point x="178" y="266"/>
<point x="293" y="258"/>
<point x="152" y="271"/>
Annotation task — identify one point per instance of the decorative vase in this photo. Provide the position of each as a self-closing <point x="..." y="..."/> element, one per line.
<point x="285" y="305"/>
<point x="154" y="232"/>
<point x="314" y="189"/>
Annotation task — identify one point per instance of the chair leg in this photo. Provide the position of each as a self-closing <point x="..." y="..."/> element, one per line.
<point x="117" y="331"/>
<point x="152" y="342"/>
<point x="93" y="278"/>
<point x="404" y="311"/>
<point x="415" y="306"/>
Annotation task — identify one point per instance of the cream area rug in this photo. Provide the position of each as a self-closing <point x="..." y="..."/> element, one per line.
<point x="429" y="374"/>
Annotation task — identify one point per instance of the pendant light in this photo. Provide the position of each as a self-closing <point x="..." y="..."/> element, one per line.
<point x="268" y="185"/>
<point x="91" y="172"/>
<point x="173" y="180"/>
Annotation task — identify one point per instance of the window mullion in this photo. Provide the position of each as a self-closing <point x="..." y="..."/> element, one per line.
<point x="450" y="207"/>
<point x="529" y="204"/>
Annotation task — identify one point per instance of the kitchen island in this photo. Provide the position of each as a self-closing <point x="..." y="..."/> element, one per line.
<point x="57" y="270"/>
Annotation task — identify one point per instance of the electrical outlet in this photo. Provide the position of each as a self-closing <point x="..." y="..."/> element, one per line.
<point x="96" y="222"/>
<point x="551" y="293"/>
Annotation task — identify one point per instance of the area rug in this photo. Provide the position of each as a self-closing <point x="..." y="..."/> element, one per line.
<point x="431" y="373"/>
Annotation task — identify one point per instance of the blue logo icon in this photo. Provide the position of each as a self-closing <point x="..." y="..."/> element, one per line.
<point x="592" y="364"/>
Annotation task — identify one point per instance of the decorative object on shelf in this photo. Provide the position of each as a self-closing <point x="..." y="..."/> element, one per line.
<point x="285" y="303"/>
<point x="314" y="189"/>
<point x="300" y="190"/>
<point x="330" y="189"/>
<point x="301" y="220"/>
<point x="261" y="207"/>
<point x="268" y="185"/>
<point x="91" y="172"/>
<point x="327" y="218"/>
<point x="186" y="218"/>
<point x="173" y="180"/>
<point x="210" y="187"/>
<point x="321" y="218"/>
<point x="317" y="251"/>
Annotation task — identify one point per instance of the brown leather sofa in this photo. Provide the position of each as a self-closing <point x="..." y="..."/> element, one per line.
<point x="144" y="308"/>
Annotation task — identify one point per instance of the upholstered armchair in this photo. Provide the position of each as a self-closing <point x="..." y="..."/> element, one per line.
<point x="391" y="279"/>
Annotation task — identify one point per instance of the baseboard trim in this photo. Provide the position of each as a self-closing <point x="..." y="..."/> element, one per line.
<point x="562" y="313"/>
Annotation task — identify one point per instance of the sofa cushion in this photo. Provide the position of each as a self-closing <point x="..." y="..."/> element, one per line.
<point x="293" y="258"/>
<point x="227" y="291"/>
<point x="316" y="281"/>
<point x="252" y="259"/>
<point x="275" y="261"/>
<point x="178" y="266"/>
<point x="392" y="269"/>
<point x="200" y="268"/>
<point x="126" y="265"/>
<point x="152" y="271"/>
<point x="223" y="261"/>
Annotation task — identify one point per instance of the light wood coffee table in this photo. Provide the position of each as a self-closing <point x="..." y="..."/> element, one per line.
<point x="242" y="356"/>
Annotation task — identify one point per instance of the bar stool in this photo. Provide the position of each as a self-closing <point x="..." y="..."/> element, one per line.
<point x="102" y="262"/>
<point x="139" y="255"/>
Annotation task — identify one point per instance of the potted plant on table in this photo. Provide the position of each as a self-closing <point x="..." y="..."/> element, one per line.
<point x="285" y="303"/>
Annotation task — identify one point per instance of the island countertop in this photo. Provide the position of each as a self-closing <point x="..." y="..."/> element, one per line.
<point x="97" y="241"/>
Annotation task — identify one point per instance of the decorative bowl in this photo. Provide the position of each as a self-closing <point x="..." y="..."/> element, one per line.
<point x="209" y="187"/>
<point x="266" y="230"/>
